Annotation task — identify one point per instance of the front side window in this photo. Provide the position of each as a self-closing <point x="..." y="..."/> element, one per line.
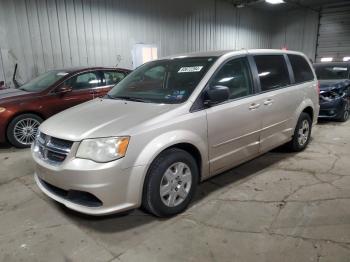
<point x="112" y="77"/>
<point x="169" y="81"/>
<point x="332" y="72"/>
<point x="235" y="75"/>
<point x="301" y="69"/>
<point x="85" y="81"/>
<point x="43" y="81"/>
<point x="273" y="71"/>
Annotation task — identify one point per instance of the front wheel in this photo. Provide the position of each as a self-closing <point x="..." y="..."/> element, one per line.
<point x="302" y="133"/>
<point x="170" y="183"/>
<point x="22" y="130"/>
<point x="344" y="116"/>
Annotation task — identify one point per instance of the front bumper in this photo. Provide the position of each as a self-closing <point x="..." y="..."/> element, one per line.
<point x="117" y="189"/>
<point x="332" y="109"/>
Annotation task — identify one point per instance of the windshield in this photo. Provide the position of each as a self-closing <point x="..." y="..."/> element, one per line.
<point x="164" y="81"/>
<point x="43" y="81"/>
<point x="332" y="71"/>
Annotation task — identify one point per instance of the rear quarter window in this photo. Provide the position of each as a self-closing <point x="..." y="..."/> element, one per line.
<point x="272" y="71"/>
<point x="301" y="69"/>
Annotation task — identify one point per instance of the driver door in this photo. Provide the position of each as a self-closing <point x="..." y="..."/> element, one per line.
<point x="234" y="126"/>
<point x="81" y="90"/>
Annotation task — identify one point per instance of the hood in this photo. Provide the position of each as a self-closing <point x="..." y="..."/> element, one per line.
<point x="328" y="85"/>
<point x="10" y="93"/>
<point x="101" y="118"/>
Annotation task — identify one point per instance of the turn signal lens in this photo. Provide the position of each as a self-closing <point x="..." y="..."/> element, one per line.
<point x="122" y="146"/>
<point x="2" y="109"/>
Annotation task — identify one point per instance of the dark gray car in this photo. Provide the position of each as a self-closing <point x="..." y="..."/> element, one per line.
<point x="334" y="90"/>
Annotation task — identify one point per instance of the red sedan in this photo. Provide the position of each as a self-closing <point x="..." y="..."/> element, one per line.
<point x="23" y="109"/>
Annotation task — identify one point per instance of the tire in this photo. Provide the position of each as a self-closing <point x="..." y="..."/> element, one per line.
<point x="344" y="113"/>
<point x="26" y="126"/>
<point x="169" y="162"/>
<point x="298" y="142"/>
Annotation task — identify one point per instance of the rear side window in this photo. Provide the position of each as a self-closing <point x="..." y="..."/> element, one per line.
<point x="85" y="81"/>
<point x="112" y="77"/>
<point x="273" y="71"/>
<point x="301" y="68"/>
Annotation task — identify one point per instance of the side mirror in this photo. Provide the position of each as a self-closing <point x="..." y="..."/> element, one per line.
<point x="216" y="95"/>
<point x="63" y="90"/>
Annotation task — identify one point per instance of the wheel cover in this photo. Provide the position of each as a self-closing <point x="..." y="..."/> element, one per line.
<point x="175" y="184"/>
<point x="25" y="131"/>
<point x="303" y="132"/>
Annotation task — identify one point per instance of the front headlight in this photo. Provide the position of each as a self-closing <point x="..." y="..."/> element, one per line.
<point x="35" y="146"/>
<point x="103" y="149"/>
<point x="2" y="109"/>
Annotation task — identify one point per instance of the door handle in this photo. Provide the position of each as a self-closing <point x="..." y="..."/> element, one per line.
<point x="254" y="106"/>
<point x="268" y="102"/>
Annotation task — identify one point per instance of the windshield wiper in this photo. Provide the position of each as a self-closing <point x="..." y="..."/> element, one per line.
<point x="129" y="98"/>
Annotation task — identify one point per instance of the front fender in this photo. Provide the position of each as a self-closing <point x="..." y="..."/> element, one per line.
<point x="169" y="139"/>
<point x="154" y="147"/>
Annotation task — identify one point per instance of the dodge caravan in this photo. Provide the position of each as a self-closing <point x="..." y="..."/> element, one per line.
<point x="173" y="123"/>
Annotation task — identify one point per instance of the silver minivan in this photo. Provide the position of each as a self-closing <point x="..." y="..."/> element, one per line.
<point x="173" y="123"/>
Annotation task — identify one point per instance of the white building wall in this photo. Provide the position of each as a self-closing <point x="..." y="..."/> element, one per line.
<point x="41" y="35"/>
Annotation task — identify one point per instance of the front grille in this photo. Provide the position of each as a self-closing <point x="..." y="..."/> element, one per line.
<point x="56" y="157"/>
<point x="61" y="143"/>
<point x="42" y="135"/>
<point x="51" y="149"/>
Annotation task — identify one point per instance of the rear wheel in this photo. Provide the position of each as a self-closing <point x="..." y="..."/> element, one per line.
<point x="345" y="113"/>
<point x="302" y="133"/>
<point x="170" y="184"/>
<point x="22" y="130"/>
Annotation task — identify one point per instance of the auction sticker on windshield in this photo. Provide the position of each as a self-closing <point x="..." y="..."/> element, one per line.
<point x="190" y="69"/>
